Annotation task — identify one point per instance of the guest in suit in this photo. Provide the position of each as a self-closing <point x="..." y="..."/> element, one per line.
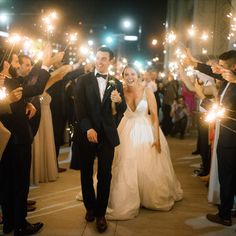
<point x="23" y="72"/>
<point x="58" y="108"/>
<point x="226" y="145"/>
<point x="16" y="160"/>
<point x="95" y="96"/>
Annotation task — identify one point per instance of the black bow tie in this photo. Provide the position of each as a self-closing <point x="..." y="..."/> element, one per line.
<point x="101" y="75"/>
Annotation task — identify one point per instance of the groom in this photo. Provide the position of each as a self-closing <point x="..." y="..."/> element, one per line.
<point x="94" y="96"/>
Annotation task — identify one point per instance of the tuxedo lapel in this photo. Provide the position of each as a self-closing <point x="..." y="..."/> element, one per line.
<point x="94" y="84"/>
<point x="107" y="91"/>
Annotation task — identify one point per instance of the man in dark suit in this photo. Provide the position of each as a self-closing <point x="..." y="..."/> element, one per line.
<point x="16" y="160"/>
<point x="97" y="132"/>
<point x="226" y="146"/>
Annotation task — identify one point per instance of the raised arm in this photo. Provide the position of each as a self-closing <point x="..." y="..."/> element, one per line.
<point x="58" y="75"/>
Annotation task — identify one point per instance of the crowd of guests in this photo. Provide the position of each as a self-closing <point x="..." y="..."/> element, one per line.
<point x="46" y="97"/>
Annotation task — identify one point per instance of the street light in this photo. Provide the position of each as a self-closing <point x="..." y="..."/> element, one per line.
<point x="4" y="20"/>
<point x="127" y="24"/>
<point x="154" y="42"/>
<point x="109" y="39"/>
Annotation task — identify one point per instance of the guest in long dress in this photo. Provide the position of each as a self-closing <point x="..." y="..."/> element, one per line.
<point x="44" y="161"/>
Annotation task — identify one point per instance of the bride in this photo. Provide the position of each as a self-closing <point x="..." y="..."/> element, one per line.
<point x="143" y="174"/>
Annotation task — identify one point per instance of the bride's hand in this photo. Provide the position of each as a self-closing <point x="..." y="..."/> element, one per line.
<point x="157" y="145"/>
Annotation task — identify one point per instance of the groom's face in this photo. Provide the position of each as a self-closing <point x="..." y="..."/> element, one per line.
<point x="102" y="62"/>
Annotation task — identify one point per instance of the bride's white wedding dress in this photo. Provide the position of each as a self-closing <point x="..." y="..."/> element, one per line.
<point x="141" y="176"/>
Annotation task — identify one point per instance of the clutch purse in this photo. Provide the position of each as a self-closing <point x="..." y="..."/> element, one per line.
<point x="4" y="138"/>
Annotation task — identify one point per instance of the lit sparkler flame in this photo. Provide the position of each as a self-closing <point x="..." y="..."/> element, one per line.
<point x="3" y="93"/>
<point x="216" y="112"/>
<point x="170" y="37"/>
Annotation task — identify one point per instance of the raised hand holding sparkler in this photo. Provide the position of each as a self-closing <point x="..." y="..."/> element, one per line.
<point x="229" y="76"/>
<point x="115" y="96"/>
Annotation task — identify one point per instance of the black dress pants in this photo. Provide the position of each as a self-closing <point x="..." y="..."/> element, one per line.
<point x="15" y="167"/>
<point x="227" y="178"/>
<point x="104" y="153"/>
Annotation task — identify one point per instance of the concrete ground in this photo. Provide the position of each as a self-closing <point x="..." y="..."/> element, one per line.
<point x="63" y="215"/>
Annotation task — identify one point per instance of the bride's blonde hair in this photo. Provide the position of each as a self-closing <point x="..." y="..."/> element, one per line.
<point x="132" y="67"/>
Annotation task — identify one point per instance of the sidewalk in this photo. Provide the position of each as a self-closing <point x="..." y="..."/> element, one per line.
<point x="63" y="215"/>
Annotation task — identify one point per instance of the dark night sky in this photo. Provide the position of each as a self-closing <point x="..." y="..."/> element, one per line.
<point x="95" y="14"/>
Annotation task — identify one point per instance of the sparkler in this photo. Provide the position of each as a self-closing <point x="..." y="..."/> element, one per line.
<point x="170" y="37"/>
<point x="232" y="25"/>
<point x="13" y="39"/>
<point x="204" y="36"/>
<point x="215" y="113"/>
<point x="48" y="22"/>
<point x="72" y="38"/>
<point x="192" y="31"/>
<point x="3" y="93"/>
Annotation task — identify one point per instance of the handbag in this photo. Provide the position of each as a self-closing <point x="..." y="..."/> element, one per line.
<point x="4" y="138"/>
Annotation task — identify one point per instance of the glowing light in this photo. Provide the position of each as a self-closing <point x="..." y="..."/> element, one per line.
<point x="27" y="44"/>
<point x="190" y="71"/>
<point x="84" y="50"/>
<point x="15" y="38"/>
<point x="162" y="75"/>
<point x="73" y="37"/>
<point x="130" y="38"/>
<point x="204" y="51"/>
<point x="3" y="93"/>
<point x="204" y="37"/>
<point x="39" y="56"/>
<point x="109" y="39"/>
<point x="53" y="15"/>
<point x="50" y="28"/>
<point x="154" y="42"/>
<point x="155" y="59"/>
<point x="170" y="37"/>
<point x="192" y="31"/>
<point x="216" y="112"/>
<point x="126" y="23"/>
<point x="3" y="18"/>
<point x="90" y="42"/>
<point x="138" y="64"/>
<point x="48" y="21"/>
<point x="124" y="60"/>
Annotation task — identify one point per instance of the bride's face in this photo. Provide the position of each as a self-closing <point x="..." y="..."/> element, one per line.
<point x="130" y="76"/>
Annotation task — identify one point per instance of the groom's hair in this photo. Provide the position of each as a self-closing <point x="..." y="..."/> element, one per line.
<point x="106" y="49"/>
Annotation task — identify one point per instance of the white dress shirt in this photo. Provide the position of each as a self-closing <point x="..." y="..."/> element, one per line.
<point x="102" y="83"/>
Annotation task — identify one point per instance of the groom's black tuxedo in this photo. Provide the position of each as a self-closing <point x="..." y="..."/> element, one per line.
<point x="92" y="113"/>
<point x="97" y="114"/>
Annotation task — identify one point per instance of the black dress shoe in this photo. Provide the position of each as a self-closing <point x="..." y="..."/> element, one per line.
<point x="195" y="152"/>
<point x="233" y="213"/>
<point x="31" y="208"/>
<point x="7" y="229"/>
<point x="31" y="202"/>
<point x="101" y="224"/>
<point x="29" y="229"/>
<point x="60" y="169"/>
<point x="217" y="219"/>
<point x="90" y="216"/>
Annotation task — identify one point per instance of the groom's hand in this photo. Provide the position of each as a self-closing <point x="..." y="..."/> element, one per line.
<point x="115" y="96"/>
<point x="92" y="136"/>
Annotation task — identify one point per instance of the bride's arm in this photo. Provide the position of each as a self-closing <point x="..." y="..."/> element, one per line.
<point x="152" y="105"/>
